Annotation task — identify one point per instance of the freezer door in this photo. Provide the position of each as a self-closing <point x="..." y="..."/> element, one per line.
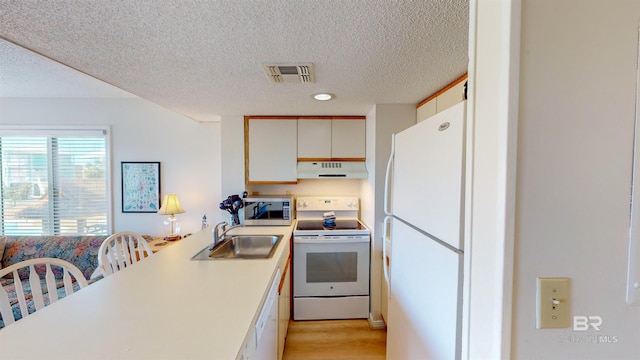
<point x="424" y="315"/>
<point x="427" y="184"/>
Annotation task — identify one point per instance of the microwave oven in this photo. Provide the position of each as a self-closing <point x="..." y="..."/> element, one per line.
<point x="267" y="210"/>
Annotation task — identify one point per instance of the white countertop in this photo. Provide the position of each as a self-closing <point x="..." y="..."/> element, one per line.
<point x="165" y="307"/>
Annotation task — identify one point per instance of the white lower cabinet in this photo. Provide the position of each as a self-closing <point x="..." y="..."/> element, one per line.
<point x="266" y="337"/>
<point x="267" y="325"/>
<point x="248" y="349"/>
<point x="284" y="307"/>
<point x="261" y="343"/>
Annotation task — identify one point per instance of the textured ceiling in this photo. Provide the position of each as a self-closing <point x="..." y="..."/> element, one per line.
<point x="204" y="58"/>
<point x="24" y="73"/>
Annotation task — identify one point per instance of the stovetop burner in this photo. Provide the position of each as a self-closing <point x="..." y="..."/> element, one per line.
<point x="328" y="216"/>
<point x="345" y="224"/>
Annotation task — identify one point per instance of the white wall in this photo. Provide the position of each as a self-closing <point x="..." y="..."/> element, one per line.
<point x="575" y="72"/>
<point x="488" y="212"/>
<point x="232" y="157"/>
<point x="577" y="110"/>
<point x="189" y="152"/>
<point x="313" y="187"/>
<point x="382" y="121"/>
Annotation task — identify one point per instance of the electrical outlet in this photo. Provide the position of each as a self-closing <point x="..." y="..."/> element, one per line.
<point x="552" y="304"/>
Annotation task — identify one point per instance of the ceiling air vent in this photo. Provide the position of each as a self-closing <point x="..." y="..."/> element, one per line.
<point x="288" y="73"/>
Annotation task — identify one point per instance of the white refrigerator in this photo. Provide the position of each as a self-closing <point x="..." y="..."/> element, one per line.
<point x="424" y="201"/>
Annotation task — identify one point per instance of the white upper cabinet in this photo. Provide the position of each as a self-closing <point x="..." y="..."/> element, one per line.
<point x="442" y="100"/>
<point x="427" y="110"/>
<point x="450" y="97"/>
<point x="348" y="139"/>
<point x="314" y="139"/>
<point x="272" y="155"/>
<point x="326" y="139"/>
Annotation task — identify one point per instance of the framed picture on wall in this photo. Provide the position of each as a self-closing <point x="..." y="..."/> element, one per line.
<point x="140" y="187"/>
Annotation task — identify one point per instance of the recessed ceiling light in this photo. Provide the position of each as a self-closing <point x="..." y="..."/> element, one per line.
<point x="323" y="96"/>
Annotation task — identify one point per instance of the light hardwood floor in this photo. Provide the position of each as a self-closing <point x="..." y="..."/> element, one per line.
<point x="334" y="339"/>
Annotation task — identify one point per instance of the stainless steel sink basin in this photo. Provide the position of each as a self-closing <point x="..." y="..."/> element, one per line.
<point x="241" y="247"/>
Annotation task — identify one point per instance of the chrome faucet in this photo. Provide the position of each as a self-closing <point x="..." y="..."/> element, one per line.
<point x="217" y="236"/>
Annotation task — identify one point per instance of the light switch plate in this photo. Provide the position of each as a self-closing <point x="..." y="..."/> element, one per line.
<point x="552" y="303"/>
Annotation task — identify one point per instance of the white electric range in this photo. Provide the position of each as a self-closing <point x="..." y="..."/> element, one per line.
<point x="330" y="260"/>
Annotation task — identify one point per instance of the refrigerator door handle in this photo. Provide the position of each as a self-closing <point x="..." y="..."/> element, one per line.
<point x="387" y="177"/>
<point x="385" y="266"/>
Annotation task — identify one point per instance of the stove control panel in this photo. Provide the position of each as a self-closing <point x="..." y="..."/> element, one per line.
<point x="325" y="203"/>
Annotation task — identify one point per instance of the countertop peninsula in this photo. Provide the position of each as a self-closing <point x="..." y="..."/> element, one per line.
<point x="165" y="307"/>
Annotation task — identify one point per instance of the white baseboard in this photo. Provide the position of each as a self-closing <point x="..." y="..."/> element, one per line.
<point x="376" y="324"/>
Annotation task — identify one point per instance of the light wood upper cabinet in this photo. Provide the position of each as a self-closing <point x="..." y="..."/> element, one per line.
<point x="331" y="138"/>
<point x="271" y="153"/>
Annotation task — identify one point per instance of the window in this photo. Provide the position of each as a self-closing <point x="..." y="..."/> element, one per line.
<point x="54" y="181"/>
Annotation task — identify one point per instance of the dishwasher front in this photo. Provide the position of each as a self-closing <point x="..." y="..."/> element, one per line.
<point x="267" y="324"/>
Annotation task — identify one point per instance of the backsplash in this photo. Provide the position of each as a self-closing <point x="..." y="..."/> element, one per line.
<point x="311" y="187"/>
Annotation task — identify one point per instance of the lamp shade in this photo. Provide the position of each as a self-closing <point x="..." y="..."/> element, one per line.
<point x="170" y="205"/>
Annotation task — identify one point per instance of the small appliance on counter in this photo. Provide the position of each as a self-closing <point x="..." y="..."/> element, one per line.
<point x="265" y="210"/>
<point x="232" y="204"/>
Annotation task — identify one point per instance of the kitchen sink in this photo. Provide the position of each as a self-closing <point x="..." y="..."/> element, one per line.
<point x="241" y="247"/>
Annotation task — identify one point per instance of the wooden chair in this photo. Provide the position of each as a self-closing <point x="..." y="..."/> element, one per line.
<point x="122" y="250"/>
<point x="38" y="296"/>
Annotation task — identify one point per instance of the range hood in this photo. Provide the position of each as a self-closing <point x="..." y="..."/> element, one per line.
<point x="332" y="170"/>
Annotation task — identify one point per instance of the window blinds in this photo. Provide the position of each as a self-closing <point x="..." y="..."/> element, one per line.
<point x="54" y="181"/>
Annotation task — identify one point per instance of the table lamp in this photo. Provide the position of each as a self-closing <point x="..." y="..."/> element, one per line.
<point x="171" y="206"/>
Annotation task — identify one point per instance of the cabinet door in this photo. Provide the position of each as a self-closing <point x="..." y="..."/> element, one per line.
<point x="272" y="150"/>
<point x="450" y="97"/>
<point x="314" y="139"/>
<point x="348" y="139"/>
<point x="284" y="310"/>
<point x="426" y="111"/>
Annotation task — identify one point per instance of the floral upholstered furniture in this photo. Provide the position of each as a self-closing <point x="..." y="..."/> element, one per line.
<point x="60" y="277"/>
<point x="81" y="251"/>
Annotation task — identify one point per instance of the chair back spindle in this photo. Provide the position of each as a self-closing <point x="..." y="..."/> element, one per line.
<point x="42" y="291"/>
<point x="122" y="250"/>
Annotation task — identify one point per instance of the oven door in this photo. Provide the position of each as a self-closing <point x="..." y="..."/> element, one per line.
<point x="330" y="266"/>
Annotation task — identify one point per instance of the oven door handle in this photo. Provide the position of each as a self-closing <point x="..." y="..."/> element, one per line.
<point x="325" y="240"/>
